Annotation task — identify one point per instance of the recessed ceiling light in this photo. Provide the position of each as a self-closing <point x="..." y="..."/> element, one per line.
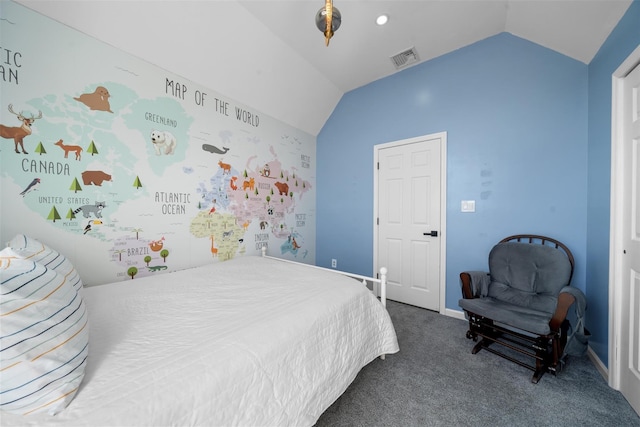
<point x="382" y="19"/>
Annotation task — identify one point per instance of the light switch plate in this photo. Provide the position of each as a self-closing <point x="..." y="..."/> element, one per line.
<point x="468" y="206"/>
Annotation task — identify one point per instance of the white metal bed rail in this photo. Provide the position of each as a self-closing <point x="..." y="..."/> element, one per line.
<point x="376" y="282"/>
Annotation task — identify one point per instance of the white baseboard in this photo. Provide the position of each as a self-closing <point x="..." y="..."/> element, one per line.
<point x="458" y="314"/>
<point x="598" y="364"/>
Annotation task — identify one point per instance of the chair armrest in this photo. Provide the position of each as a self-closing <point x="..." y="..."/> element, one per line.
<point x="568" y="295"/>
<point x="474" y="284"/>
<point x="564" y="302"/>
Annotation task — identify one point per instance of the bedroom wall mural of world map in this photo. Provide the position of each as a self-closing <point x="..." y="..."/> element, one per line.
<point x="131" y="170"/>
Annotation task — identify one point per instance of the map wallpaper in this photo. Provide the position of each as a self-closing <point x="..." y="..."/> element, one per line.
<point x="130" y="170"/>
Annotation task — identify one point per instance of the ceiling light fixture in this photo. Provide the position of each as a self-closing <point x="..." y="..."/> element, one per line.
<point x="328" y="20"/>
<point x="382" y="19"/>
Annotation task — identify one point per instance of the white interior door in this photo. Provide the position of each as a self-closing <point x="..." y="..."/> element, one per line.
<point x="630" y="278"/>
<point x="408" y="221"/>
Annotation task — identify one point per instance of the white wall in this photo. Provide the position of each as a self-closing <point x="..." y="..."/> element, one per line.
<point x="191" y="202"/>
<point x="245" y="62"/>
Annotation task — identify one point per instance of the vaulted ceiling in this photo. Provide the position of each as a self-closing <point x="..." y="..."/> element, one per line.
<point x="270" y="56"/>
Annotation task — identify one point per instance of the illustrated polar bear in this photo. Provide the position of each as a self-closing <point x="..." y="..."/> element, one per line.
<point x="163" y="140"/>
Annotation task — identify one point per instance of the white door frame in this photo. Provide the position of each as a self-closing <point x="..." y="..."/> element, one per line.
<point x="443" y="204"/>
<point x="615" y="244"/>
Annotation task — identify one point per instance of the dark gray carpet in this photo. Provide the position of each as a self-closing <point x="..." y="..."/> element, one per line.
<point x="435" y="381"/>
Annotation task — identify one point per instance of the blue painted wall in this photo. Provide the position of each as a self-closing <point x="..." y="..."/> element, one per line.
<point x="516" y="118"/>
<point x="529" y="135"/>
<point x="622" y="41"/>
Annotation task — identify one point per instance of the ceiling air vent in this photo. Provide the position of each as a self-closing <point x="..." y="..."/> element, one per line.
<point x="405" y="58"/>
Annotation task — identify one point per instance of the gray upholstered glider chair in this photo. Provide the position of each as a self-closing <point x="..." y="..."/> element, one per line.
<point x="522" y="303"/>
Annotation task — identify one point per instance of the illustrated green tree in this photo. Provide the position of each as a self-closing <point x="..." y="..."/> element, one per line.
<point x="70" y="214"/>
<point x="119" y="252"/>
<point x="256" y="191"/>
<point x="281" y="199"/>
<point x="291" y="194"/>
<point x="40" y="149"/>
<point x="164" y="254"/>
<point x="246" y="195"/>
<point x="147" y="259"/>
<point x="281" y="175"/>
<point x="53" y="214"/>
<point x="245" y="174"/>
<point x="137" y="183"/>
<point x="268" y="199"/>
<point x="75" y="186"/>
<point x="92" y="148"/>
<point x="137" y="231"/>
<point x="132" y="272"/>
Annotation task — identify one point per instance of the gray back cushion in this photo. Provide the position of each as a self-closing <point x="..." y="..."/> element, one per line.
<point x="528" y="275"/>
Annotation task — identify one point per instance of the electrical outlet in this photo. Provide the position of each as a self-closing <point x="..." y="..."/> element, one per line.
<point x="334" y="263"/>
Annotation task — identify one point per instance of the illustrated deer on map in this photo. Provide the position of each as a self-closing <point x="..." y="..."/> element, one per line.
<point x="226" y="167"/>
<point x="17" y="133"/>
<point x="75" y="148"/>
<point x="214" y="251"/>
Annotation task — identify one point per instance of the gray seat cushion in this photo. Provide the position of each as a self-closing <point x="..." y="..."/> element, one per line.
<point x="533" y="321"/>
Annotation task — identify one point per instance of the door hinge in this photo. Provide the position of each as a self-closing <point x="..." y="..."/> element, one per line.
<point x="378" y="165"/>
<point x="377" y="221"/>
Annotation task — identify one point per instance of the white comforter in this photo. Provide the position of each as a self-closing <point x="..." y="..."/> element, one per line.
<point x="251" y="341"/>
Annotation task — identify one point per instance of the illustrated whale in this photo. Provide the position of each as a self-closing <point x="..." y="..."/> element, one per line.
<point x="213" y="149"/>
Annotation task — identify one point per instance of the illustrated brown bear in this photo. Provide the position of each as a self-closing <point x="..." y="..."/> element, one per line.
<point x="95" y="177"/>
<point x="283" y="187"/>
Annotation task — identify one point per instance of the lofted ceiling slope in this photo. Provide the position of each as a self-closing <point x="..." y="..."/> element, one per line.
<point x="270" y="56"/>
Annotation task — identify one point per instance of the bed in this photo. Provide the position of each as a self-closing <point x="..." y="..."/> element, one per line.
<point x="250" y="341"/>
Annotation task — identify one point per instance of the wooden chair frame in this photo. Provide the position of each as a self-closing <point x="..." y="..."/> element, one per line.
<point x="546" y="350"/>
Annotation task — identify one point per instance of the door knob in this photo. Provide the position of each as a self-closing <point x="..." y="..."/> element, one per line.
<point x="433" y="233"/>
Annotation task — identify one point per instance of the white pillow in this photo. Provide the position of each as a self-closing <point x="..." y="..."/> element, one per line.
<point x="28" y="247"/>
<point x="44" y="337"/>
